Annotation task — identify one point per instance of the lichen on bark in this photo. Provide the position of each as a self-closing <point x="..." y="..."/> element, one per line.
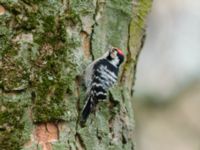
<point x="44" y="47"/>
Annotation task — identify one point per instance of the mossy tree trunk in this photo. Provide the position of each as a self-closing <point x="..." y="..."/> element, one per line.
<point x="44" y="47"/>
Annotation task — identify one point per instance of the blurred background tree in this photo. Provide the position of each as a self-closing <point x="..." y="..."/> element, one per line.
<point x="167" y="100"/>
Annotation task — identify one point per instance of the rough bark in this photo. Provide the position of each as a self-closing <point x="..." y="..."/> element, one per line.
<point x="44" y="47"/>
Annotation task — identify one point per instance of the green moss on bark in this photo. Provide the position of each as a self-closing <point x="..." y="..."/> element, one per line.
<point x="15" y="124"/>
<point x="37" y="51"/>
<point x="11" y="127"/>
<point x="55" y="76"/>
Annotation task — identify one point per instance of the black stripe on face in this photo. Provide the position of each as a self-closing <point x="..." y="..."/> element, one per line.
<point x="121" y="59"/>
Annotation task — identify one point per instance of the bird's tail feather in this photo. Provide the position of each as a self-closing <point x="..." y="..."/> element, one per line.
<point x="88" y="108"/>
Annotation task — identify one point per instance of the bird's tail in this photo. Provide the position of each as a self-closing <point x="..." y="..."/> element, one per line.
<point x="88" y="108"/>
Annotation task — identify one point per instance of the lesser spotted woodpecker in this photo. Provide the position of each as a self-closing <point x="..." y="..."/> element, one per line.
<point x="100" y="75"/>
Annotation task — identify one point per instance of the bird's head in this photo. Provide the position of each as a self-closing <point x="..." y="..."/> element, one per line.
<point x="115" y="56"/>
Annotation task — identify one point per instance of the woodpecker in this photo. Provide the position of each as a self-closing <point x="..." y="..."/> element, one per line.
<point x="100" y="75"/>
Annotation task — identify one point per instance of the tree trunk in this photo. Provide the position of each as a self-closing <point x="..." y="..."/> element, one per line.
<point x="45" y="45"/>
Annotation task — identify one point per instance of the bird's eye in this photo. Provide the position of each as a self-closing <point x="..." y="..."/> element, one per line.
<point x="113" y="53"/>
<point x="114" y="50"/>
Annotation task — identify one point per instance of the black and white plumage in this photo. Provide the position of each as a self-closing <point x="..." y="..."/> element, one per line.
<point x="100" y="75"/>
